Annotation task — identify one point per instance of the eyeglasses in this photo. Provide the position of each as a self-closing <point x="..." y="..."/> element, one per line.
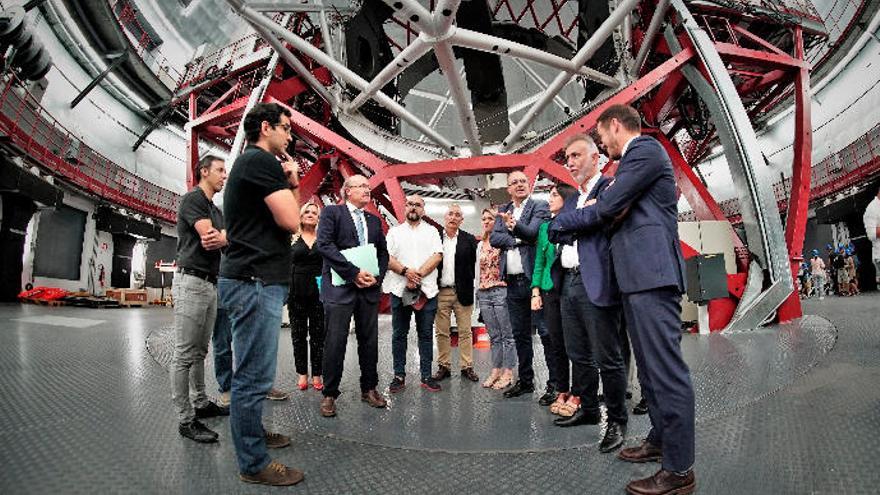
<point x="413" y="204"/>
<point x="284" y="127"/>
<point x="518" y="181"/>
<point x="361" y="186"/>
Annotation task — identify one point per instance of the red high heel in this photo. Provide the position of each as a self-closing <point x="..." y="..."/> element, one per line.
<point x="317" y="385"/>
<point x="303" y="385"/>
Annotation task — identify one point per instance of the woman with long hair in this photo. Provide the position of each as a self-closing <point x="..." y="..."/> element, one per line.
<point x="492" y="297"/>
<point x="303" y="302"/>
<point x="545" y="295"/>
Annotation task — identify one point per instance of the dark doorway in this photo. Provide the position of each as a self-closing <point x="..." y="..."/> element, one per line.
<point x="17" y="212"/>
<point x="123" y="245"/>
<point x="60" y="235"/>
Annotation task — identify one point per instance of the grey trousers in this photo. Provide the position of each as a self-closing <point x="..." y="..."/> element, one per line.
<point x="195" y="309"/>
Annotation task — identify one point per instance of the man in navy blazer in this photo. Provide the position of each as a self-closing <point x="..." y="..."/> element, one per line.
<point x="639" y="207"/>
<point x="590" y="303"/>
<point x="342" y="227"/>
<point x="515" y="233"/>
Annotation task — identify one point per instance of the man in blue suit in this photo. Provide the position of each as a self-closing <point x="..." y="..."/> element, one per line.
<point x="591" y="302"/>
<point x="639" y="209"/>
<point x="342" y="227"/>
<point x="515" y="233"/>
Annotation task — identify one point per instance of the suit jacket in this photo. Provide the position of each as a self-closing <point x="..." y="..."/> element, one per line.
<point x="535" y="212"/>
<point x="594" y="250"/>
<point x="465" y="264"/>
<point x="336" y="232"/>
<point x="547" y="274"/>
<point x="645" y="246"/>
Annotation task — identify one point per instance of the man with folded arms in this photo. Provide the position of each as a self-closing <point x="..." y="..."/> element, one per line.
<point x="200" y="236"/>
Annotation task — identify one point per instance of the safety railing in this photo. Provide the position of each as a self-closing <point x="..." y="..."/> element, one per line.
<point x="855" y="163"/>
<point x="31" y="129"/>
<point x="143" y="45"/>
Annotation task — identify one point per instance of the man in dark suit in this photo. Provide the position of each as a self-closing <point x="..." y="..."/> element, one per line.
<point x="640" y="206"/>
<point x="456" y="281"/>
<point x="515" y="233"/>
<point x="591" y="302"/>
<point x="342" y="227"/>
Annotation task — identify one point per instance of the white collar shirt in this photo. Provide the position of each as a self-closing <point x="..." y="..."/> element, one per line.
<point x="514" y="260"/>
<point x="449" y="247"/>
<point x="412" y="246"/>
<point x="568" y="256"/>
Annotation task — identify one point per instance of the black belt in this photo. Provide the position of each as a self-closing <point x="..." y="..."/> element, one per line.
<point x="198" y="273"/>
<point x="574" y="271"/>
<point x="518" y="276"/>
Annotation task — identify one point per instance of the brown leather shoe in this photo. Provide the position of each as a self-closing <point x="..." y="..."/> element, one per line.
<point x="664" y="482"/>
<point x="643" y="453"/>
<point x="374" y="399"/>
<point x="328" y="407"/>
<point x="276" y="440"/>
<point x="275" y="474"/>
<point x="442" y="373"/>
<point x="470" y="374"/>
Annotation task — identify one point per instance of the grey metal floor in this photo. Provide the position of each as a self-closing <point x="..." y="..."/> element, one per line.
<point x="85" y="408"/>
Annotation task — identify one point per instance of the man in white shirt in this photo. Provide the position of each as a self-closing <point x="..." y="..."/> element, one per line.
<point x="872" y="230"/>
<point x="415" y="250"/>
<point x="515" y="233"/>
<point x="456" y="295"/>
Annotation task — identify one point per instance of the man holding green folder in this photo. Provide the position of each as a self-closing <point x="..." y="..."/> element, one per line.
<point x="355" y="260"/>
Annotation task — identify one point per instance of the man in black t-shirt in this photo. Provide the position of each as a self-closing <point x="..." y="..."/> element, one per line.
<point x="261" y="206"/>
<point x="200" y="236"/>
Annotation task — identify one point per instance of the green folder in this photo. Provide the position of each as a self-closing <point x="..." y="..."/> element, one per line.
<point x="363" y="257"/>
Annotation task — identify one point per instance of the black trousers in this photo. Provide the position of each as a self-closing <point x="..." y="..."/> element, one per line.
<point x="592" y="341"/>
<point x="337" y="318"/>
<point x="307" y="333"/>
<point x="554" y="344"/>
<point x="519" y="308"/>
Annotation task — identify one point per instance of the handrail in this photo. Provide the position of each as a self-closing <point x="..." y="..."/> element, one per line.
<point x="158" y="63"/>
<point x="37" y="134"/>
<point x="849" y="166"/>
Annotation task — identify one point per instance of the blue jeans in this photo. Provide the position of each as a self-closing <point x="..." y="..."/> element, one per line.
<point x="255" y="315"/>
<point x="493" y="309"/>
<point x="222" y="342"/>
<point x="400" y="318"/>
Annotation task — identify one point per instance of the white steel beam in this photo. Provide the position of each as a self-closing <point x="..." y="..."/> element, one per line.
<point x="580" y="58"/>
<point x="408" y="55"/>
<point x="648" y="39"/>
<point x="343" y="72"/>
<point x="446" y="59"/>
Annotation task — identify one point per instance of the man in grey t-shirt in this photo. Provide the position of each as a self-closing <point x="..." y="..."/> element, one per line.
<point x="200" y="236"/>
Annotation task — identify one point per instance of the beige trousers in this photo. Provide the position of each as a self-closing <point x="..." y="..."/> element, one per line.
<point x="447" y="302"/>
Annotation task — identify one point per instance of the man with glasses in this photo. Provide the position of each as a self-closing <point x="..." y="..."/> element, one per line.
<point x="515" y="233"/>
<point x="414" y="250"/>
<point x="261" y="207"/>
<point x="343" y="227"/>
<point x="456" y="274"/>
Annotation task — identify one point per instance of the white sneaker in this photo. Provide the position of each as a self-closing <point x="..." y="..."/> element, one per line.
<point x="224" y="400"/>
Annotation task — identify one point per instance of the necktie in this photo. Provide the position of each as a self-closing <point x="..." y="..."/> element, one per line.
<point x="359" y="225"/>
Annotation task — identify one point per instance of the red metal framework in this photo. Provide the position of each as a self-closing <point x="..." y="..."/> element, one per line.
<point x="766" y="61"/>
<point x="33" y="133"/>
<point x="143" y="44"/>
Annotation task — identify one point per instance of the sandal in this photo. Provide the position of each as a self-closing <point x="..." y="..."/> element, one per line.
<point x="303" y="382"/>
<point x="559" y="402"/>
<point x="503" y="382"/>
<point x="317" y="383"/>
<point x="570" y="407"/>
<point x="493" y="378"/>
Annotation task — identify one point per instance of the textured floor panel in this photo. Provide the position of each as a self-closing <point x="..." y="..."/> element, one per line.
<point x="88" y="411"/>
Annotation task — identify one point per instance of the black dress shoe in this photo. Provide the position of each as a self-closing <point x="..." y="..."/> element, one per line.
<point x="641" y="407"/>
<point x="613" y="439"/>
<point x="211" y="410"/>
<point x="519" y="388"/>
<point x="549" y="396"/>
<point x="196" y="431"/>
<point x="580" y="417"/>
